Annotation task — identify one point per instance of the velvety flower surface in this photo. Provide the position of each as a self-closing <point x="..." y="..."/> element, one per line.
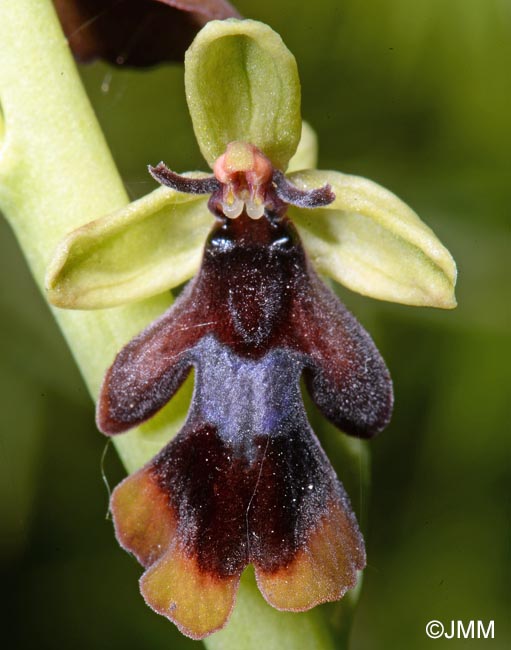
<point x="246" y="481"/>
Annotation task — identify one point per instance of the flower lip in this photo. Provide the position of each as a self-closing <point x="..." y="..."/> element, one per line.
<point x="245" y="481"/>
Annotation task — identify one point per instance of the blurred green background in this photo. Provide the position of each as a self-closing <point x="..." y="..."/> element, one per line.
<point x="416" y="96"/>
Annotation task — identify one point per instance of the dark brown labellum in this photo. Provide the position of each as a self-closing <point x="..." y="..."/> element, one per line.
<point x="245" y="481"/>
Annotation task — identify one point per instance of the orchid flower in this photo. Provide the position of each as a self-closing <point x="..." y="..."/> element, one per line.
<point x="246" y="481"/>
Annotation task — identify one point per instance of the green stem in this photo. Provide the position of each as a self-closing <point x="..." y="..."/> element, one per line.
<point x="56" y="173"/>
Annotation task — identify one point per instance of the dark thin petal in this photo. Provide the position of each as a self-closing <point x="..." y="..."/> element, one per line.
<point x="165" y="176"/>
<point x="289" y="193"/>
<point x="136" y="32"/>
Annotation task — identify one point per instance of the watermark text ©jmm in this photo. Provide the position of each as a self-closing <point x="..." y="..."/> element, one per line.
<point x="461" y="630"/>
